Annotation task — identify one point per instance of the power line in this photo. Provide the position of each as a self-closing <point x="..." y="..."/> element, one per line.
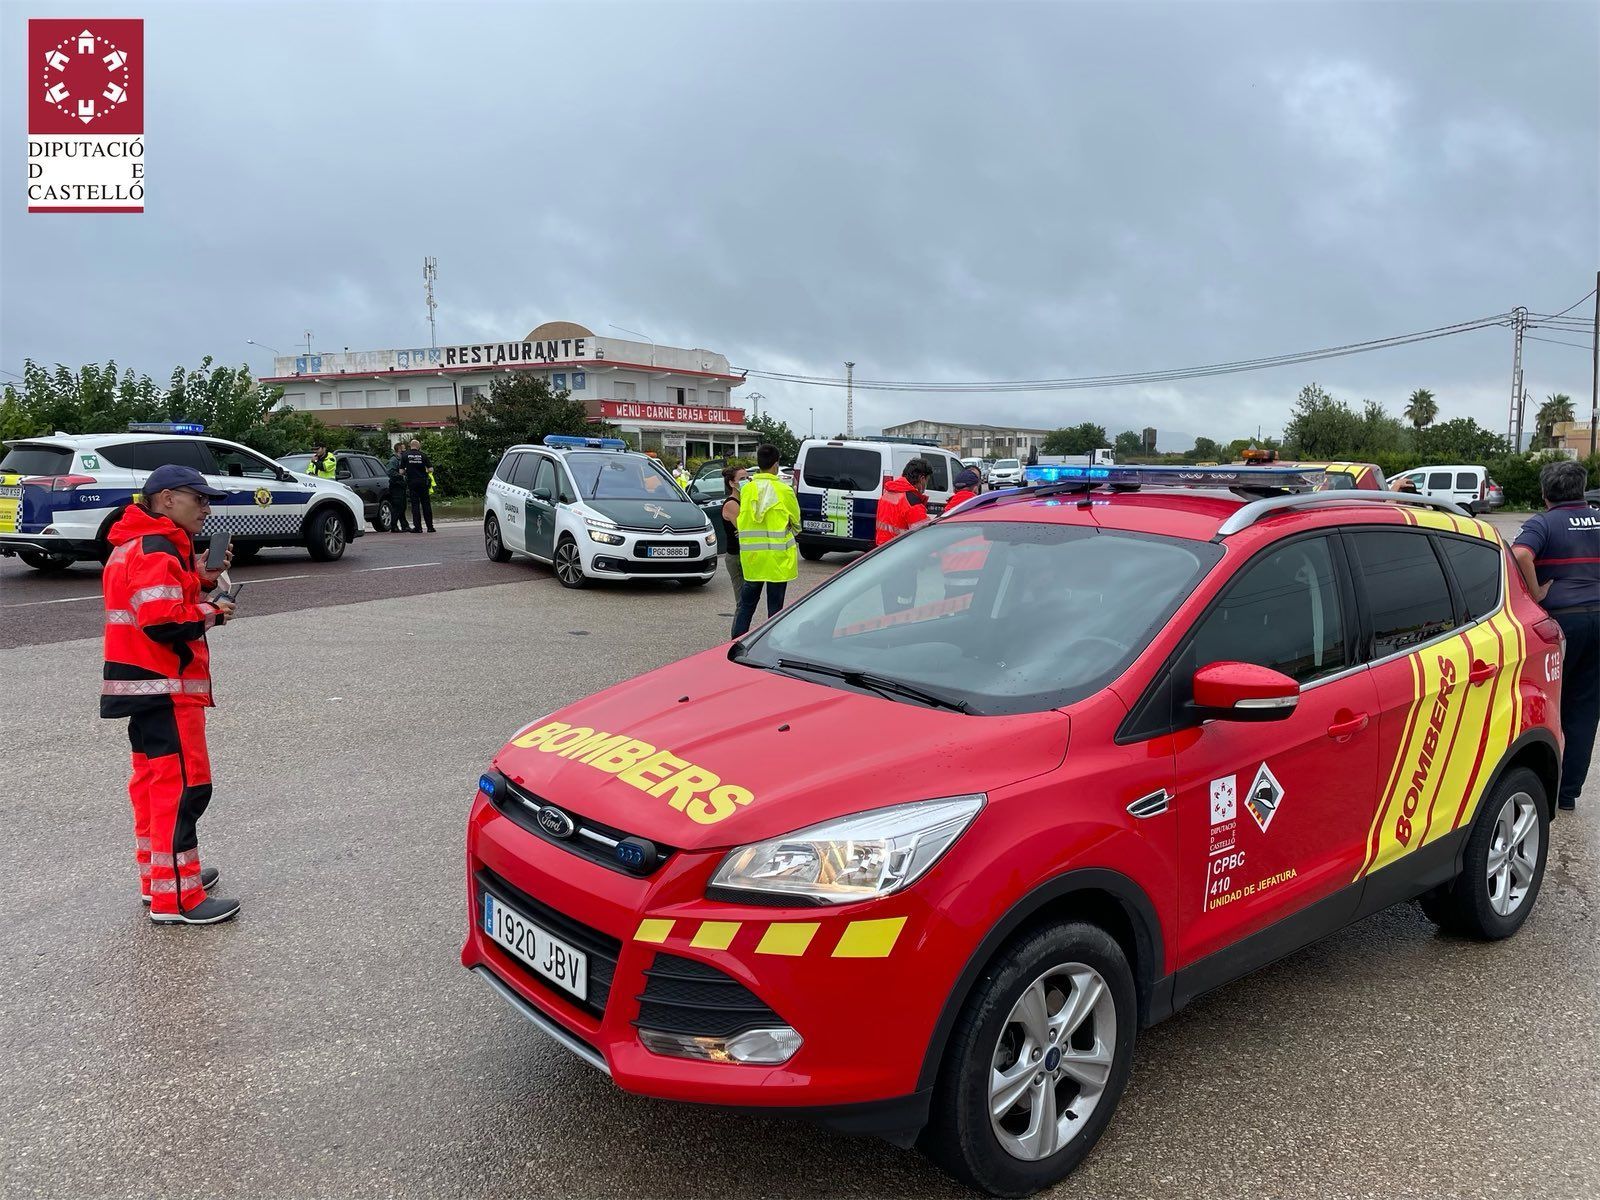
<point x="1235" y="366"/>
<point x="1574" y="304"/>
<point x="1555" y="342"/>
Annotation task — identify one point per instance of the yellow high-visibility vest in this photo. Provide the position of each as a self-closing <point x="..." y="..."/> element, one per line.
<point x="769" y="517"/>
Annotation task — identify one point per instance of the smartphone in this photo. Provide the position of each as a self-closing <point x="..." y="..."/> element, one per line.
<point x="217" y="552"/>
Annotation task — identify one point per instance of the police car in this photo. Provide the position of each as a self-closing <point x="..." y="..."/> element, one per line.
<point x="59" y="495"/>
<point x="595" y="510"/>
<point x="1130" y="743"/>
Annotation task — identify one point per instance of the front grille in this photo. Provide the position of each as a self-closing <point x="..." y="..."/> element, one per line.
<point x="590" y="839"/>
<point x="683" y="995"/>
<point x="602" y="949"/>
<point x="642" y="550"/>
<point x="657" y="566"/>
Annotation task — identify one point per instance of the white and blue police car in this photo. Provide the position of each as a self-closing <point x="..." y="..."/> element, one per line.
<point x="593" y="509"/>
<point x="61" y="493"/>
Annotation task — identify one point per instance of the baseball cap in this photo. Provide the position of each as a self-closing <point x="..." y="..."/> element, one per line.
<point x="173" y="476"/>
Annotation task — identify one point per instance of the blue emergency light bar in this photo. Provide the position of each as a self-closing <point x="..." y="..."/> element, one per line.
<point x="165" y="427"/>
<point x="1218" y="477"/>
<point x="569" y="441"/>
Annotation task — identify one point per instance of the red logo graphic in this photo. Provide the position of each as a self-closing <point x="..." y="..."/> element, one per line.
<point x="86" y="76"/>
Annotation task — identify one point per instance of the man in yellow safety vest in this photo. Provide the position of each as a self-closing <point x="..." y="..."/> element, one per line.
<point x="769" y="518"/>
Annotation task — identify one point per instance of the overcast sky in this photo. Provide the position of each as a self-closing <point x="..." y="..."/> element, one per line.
<point x="950" y="192"/>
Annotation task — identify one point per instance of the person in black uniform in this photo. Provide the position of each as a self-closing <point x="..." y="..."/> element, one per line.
<point x="396" y="468"/>
<point x="417" y="467"/>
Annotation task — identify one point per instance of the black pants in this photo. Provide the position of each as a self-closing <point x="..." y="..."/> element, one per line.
<point x="421" y="509"/>
<point x="1580" y="696"/>
<point x="749" y="596"/>
<point x="397" y="501"/>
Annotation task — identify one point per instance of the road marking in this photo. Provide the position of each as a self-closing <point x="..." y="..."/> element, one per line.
<point x="403" y="567"/>
<point x="274" y="578"/>
<point x="97" y="596"/>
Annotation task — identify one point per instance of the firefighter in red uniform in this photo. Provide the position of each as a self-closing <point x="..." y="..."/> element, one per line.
<point x="158" y="674"/>
<point x="902" y="505"/>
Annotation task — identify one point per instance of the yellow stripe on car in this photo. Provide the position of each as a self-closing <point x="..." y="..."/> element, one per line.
<point x="714" y="935"/>
<point x="869" y="939"/>
<point x="789" y="939"/>
<point x="653" y="929"/>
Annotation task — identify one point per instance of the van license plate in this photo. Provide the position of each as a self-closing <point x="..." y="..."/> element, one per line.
<point x="817" y="526"/>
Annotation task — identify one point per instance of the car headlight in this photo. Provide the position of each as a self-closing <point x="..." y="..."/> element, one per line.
<point x="599" y="522"/>
<point x="859" y="857"/>
<point x="711" y="539"/>
<point x="606" y="539"/>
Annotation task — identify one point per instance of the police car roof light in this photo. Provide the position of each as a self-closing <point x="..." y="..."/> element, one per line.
<point x="568" y="441"/>
<point x="165" y="427"/>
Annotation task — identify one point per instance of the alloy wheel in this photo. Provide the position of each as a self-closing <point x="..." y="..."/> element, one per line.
<point x="1052" y="1061"/>
<point x="569" y="565"/>
<point x="333" y="536"/>
<point x="1513" y="853"/>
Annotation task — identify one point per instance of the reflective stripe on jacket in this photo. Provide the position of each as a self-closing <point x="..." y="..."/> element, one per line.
<point x="156" y="618"/>
<point x="769" y="516"/>
<point x="901" y="507"/>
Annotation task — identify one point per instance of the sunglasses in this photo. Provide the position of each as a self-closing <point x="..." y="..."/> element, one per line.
<point x="204" y="501"/>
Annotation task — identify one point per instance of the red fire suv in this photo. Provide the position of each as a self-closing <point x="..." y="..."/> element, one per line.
<point x="920" y="856"/>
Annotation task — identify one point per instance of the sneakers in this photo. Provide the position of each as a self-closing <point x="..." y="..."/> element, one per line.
<point x="208" y="880"/>
<point x="210" y="911"/>
<point x="1567" y="805"/>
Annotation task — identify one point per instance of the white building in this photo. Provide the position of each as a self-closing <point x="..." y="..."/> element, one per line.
<point x="974" y="441"/>
<point x="671" y="400"/>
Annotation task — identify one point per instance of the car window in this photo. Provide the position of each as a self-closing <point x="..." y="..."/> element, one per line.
<point x="544" y="481"/>
<point x="522" y="471"/>
<point x="1405" y="586"/>
<point x="1477" y="566"/>
<point x="235" y="461"/>
<point x="1439" y="480"/>
<point x="45" y="460"/>
<point x="1282" y="612"/>
<point x="1466" y="481"/>
<point x="1008" y="464"/>
<point x="939" y="481"/>
<point x="508" y="462"/>
<point x="843" y="468"/>
<point x="1007" y="616"/>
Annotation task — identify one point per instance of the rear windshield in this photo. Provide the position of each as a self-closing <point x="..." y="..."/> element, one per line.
<point x="1005" y="617"/>
<point x="843" y="468"/>
<point x="37" y="460"/>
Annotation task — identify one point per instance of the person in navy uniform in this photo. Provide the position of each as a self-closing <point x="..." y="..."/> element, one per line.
<point x="1559" y="553"/>
<point x="418" y="468"/>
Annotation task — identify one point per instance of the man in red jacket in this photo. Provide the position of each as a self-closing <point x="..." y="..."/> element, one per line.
<point x="903" y="505"/>
<point x="157" y="673"/>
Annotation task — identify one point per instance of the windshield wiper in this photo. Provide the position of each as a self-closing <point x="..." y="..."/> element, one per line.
<point x="877" y="683"/>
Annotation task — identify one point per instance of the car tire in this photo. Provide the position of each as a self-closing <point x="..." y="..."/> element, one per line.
<point x="493" y="544"/>
<point x="41" y="560"/>
<point x="383" y="518"/>
<point x="326" y="538"/>
<point x="1000" y="1031"/>
<point x="568" y="563"/>
<point x="1503" y="866"/>
<point x="245" y="552"/>
<point x="812" y="553"/>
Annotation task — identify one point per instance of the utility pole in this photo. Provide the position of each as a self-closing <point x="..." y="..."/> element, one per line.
<point x="1594" y="369"/>
<point x="849" y="399"/>
<point x="1519" y="321"/>
<point x="430" y="272"/>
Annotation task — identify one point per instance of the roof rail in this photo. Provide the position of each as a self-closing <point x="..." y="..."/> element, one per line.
<point x="1258" y="510"/>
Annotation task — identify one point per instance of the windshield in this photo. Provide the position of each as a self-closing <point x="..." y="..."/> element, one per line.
<point x="1006" y="464"/>
<point x="1006" y="617"/>
<point x="604" y="476"/>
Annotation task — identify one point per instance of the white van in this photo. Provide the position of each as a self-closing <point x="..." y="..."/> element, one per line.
<point x="1468" y="486"/>
<point x="839" y="482"/>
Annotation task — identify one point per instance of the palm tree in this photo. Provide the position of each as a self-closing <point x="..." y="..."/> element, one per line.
<point x="1420" y="409"/>
<point x="1557" y="407"/>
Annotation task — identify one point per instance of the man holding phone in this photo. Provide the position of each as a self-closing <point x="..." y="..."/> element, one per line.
<point x="157" y="673"/>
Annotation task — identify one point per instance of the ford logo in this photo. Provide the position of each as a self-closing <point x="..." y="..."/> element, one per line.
<point x="555" y="822"/>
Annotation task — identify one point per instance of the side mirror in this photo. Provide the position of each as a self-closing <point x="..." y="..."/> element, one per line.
<point x="543" y="495"/>
<point x="1236" y="691"/>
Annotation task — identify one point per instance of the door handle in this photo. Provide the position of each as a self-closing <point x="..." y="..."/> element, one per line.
<point x="1481" y="671"/>
<point x="1349" y="728"/>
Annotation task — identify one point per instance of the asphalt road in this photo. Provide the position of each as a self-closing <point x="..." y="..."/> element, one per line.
<point x="327" y="1043"/>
